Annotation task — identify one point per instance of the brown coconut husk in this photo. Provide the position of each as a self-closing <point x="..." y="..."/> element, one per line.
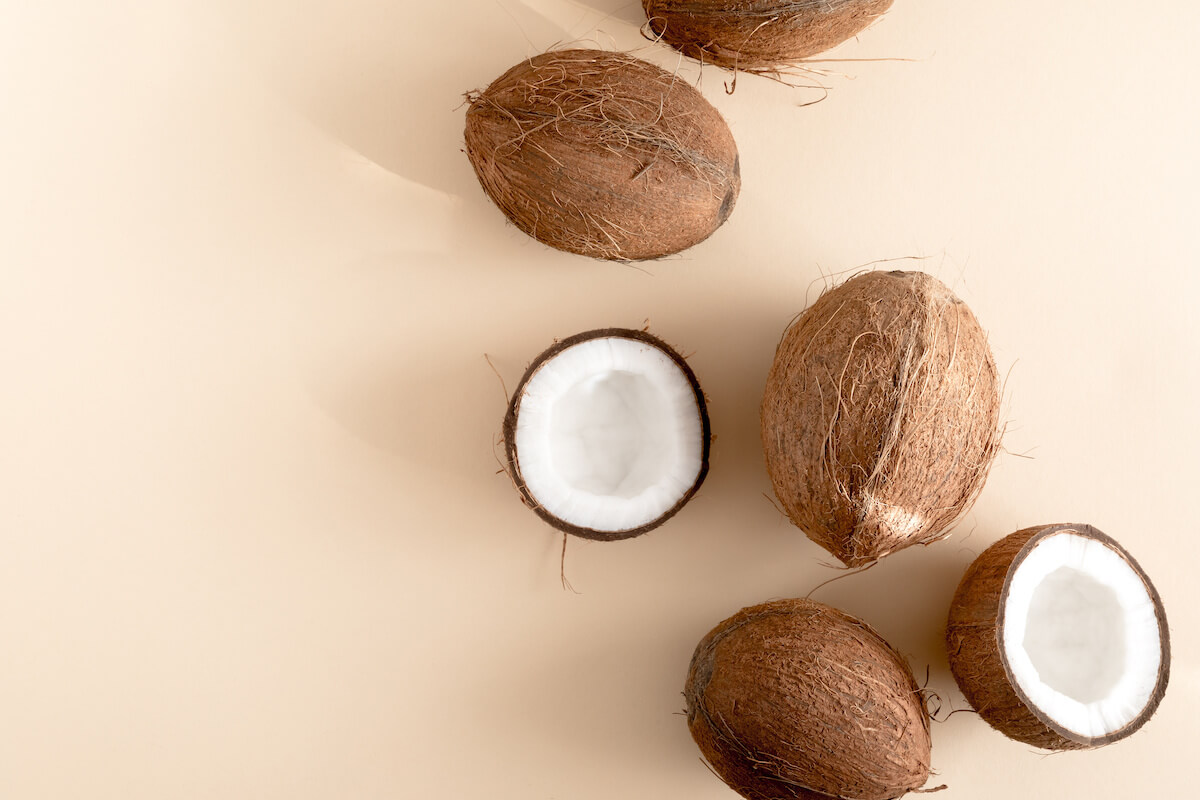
<point x="974" y="634"/>
<point x="794" y="699"/>
<point x="603" y="155"/>
<point x="512" y="453"/>
<point x="759" y="36"/>
<point x="880" y="418"/>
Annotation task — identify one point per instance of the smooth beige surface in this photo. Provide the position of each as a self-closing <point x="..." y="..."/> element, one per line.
<point x="253" y="541"/>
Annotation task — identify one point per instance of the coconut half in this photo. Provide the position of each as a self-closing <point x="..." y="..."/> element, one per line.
<point x="1058" y="639"/>
<point x="607" y="435"/>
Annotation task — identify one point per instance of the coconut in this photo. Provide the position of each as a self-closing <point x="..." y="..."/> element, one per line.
<point x="759" y="35"/>
<point x="880" y="415"/>
<point x="1058" y="639"/>
<point x="794" y="699"/>
<point x="607" y="435"/>
<point x="603" y="155"/>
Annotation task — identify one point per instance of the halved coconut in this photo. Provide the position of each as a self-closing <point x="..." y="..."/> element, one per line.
<point x="1058" y="639"/>
<point x="607" y="435"/>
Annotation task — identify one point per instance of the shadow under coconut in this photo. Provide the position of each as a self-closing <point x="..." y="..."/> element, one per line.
<point x="734" y="529"/>
<point x="906" y="597"/>
<point x="393" y="368"/>
<point x="629" y="11"/>
<point x="615" y="694"/>
<point x="404" y="370"/>
<point x="360" y="71"/>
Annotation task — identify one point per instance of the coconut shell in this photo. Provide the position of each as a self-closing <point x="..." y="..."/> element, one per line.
<point x="974" y="635"/>
<point x="794" y="699"/>
<point x="512" y="454"/>
<point x="759" y="35"/>
<point x="603" y="155"/>
<point x="880" y="415"/>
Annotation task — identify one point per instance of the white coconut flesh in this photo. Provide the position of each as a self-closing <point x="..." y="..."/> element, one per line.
<point x="609" y="434"/>
<point x="1081" y="636"/>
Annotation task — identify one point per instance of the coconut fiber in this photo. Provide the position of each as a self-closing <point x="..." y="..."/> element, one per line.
<point x="974" y="635"/>
<point x="764" y="36"/>
<point x="880" y="415"/>
<point x="794" y="699"/>
<point x="603" y="155"/>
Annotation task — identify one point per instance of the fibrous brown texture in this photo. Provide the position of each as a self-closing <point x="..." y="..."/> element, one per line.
<point x="603" y="155"/>
<point x="880" y="415"/>
<point x="514" y="410"/>
<point x="974" y="634"/>
<point x="794" y="699"/>
<point x="759" y="35"/>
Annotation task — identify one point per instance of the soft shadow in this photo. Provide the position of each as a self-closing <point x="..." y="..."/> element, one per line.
<point x="361" y="71"/>
<point x="614" y="694"/>
<point x="906" y="598"/>
<point x="629" y="11"/>
<point x="383" y="353"/>
<point x="733" y="530"/>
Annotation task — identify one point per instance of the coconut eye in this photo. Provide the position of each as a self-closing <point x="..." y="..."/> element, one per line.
<point x="1057" y="637"/>
<point x="607" y="435"/>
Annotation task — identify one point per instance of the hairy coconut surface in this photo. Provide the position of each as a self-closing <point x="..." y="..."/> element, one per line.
<point x="880" y="415"/>
<point x="795" y="699"/>
<point x="763" y="36"/>
<point x="616" y="438"/>
<point x="981" y="655"/>
<point x="603" y="155"/>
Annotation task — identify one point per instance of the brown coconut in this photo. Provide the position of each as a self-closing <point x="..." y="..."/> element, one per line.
<point x="880" y="415"/>
<point x="603" y="155"/>
<point x="974" y="633"/>
<point x="758" y="35"/>
<point x="794" y="699"/>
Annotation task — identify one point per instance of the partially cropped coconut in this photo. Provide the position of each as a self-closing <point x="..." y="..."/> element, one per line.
<point x="603" y="155"/>
<point x="1058" y="639"/>
<point x="794" y="699"/>
<point x="759" y="35"/>
<point x="607" y="435"/>
<point x="880" y="415"/>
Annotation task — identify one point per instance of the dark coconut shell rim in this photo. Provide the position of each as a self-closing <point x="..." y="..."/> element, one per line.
<point x="510" y="430"/>
<point x="1160" y="614"/>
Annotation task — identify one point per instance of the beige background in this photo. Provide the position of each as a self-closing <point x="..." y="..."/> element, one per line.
<point x="252" y="539"/>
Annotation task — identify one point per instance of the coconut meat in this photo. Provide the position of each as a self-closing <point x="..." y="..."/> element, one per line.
<point x="609" y="434"/>
<point x="1080" y="635"/>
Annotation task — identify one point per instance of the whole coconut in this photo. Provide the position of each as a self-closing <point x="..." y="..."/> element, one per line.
<point x="880" y="416"/>
<point x="603" y="155"/>
<point x="794" y="699"/>
<point x="759" y="35"/>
